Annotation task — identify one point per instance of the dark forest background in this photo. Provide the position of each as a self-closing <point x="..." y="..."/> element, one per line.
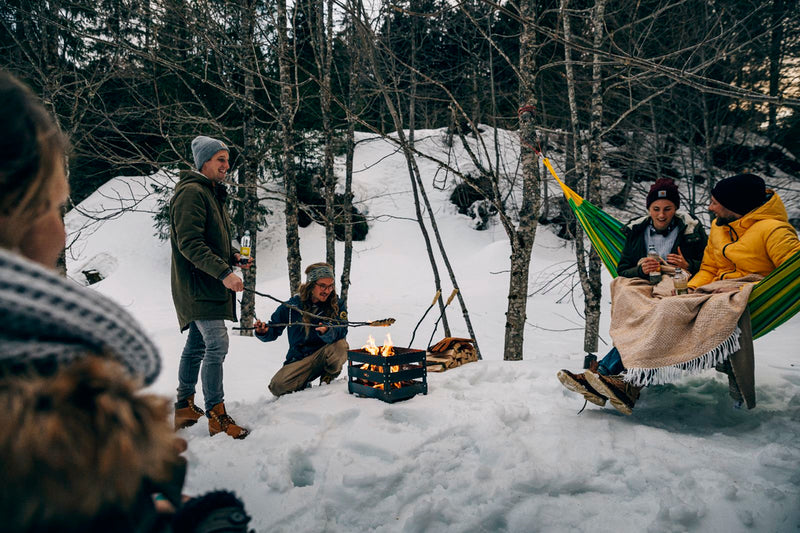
<point x="627" y="90"/>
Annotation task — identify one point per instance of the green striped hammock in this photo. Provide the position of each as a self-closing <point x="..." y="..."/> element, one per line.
<point x="774" y="300"/>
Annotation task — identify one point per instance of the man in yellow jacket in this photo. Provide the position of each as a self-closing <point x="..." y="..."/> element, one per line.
<point x="751" y="234"/>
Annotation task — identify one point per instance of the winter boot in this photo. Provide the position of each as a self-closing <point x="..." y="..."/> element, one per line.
<point x="219" y="421"/>
<point x="622" y="395"/>
<point x="577" y="383"/>
<point x="327" y="378"/>
<point x="186" y="413"/>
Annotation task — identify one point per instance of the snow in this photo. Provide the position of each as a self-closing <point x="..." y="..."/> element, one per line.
<point x="495" y="445"/>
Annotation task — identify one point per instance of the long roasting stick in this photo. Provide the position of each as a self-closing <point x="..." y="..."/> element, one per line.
<point x="436" y="325"/>
<point x="330" y="321"/>
<point x="383" y="323"/>
<point x="435" y="299"/>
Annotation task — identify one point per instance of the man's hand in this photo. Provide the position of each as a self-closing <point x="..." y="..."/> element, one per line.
<point x="321" y="329"/>
<point x="650" y="264"/>
<point x="678" y="260"/>
<point x="233" y="282"/>
<point x="244" y="264"/>
<point x="260" y="328"/>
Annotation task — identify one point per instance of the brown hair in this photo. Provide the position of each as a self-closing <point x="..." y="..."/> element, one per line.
<point x="78" y="445"/>
<point x="31" y="149"/>
<point x="330" y="307"/>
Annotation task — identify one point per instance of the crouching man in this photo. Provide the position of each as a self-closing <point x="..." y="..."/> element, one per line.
<point x="314" y="351"/>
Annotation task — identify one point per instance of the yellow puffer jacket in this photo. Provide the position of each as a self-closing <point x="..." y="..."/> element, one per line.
<point x="757" y="243"/>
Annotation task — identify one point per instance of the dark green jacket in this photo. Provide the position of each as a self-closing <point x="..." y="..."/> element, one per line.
<point x="200" y="232"/>
<point x="692" y="239"/>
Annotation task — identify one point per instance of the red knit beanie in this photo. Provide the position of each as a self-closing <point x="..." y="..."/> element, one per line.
<point x="664" y="189"/>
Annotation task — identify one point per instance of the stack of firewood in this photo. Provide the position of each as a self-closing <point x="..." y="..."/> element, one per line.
<point x="450" y="352"/>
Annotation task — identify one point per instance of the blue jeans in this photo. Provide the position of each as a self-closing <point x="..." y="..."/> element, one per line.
<point x="611" y="364"/>
<point x="207" y="344"/>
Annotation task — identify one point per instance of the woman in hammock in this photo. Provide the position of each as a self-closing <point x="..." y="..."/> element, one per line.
<point x="679" y="240"/>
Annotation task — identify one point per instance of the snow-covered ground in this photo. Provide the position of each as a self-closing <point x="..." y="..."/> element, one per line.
<point x="494" y="445"/>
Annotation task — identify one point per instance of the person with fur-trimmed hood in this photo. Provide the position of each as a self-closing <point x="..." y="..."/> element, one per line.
<point x="82" y="448"/>
<point x="679" y="240"/>
<point x="314" y="351"/>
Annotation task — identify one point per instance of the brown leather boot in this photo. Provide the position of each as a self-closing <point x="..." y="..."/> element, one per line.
<point x="219" y="421"/>
<point x="620" y="393"/>
<point x="186" y="413"/>
<point x="577" y="383"/>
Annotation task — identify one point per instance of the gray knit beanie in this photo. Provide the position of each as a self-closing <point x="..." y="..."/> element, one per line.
<point x="204" y="148"/>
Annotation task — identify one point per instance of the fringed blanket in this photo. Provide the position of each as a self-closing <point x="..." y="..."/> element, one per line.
<point x="661" y="337"/>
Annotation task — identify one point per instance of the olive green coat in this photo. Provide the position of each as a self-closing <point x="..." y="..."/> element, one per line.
<point x="200" y="233"/>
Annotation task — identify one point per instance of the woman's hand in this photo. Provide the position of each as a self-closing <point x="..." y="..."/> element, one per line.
<point x="678" y="260"/>
<point x="650" y="264"/>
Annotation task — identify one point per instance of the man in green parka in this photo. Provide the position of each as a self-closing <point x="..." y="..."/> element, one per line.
<point x="204" y="284"/>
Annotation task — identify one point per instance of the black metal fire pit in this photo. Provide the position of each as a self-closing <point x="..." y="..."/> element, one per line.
<point x="388" y="378"/>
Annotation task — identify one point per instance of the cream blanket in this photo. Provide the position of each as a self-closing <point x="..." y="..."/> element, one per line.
<point x="661" y="337"/>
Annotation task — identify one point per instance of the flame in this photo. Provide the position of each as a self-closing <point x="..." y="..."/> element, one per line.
<point x="386" y="350"/>
<point x="388" y="346"/>
<point x="379" y="386"/>
<point x="370" y="347"/>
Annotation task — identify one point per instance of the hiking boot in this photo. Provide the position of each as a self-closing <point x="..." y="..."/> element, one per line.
<point x="622" y="395"/>
<point x="577" y="383"/>
<point x="186" y="413"/>
<point x="219" y="421"/>
<point x="327" y="378"/>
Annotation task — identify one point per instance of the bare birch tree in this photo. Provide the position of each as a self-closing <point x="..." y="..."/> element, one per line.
<point x="521" y="239"/>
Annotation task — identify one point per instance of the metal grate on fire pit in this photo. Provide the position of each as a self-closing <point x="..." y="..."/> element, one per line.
<point x="388" y="378"/>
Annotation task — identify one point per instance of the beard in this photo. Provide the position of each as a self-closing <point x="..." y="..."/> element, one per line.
<point x="724" y="221"/>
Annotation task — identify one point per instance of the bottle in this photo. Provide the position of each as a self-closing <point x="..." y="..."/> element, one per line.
<point x="655" y="276"/>
<point x="681" y="280"/>
<point x="244" y="251"/>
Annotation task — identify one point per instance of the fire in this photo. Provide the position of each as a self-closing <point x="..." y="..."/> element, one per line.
<point x="386" y="350"/>
<point x="388" y="347"/>
<point x="370" y="347"/>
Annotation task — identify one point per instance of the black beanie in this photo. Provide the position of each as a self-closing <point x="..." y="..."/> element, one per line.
<point x="740" y="193"/>
<point x="664" y="189"/>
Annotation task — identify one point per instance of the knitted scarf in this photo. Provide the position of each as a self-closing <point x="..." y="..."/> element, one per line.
<point x="47" y="320"/>
<point x="662" y="337"/>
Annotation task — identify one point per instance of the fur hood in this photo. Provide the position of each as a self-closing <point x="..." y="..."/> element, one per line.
<point x="83" y="450"/>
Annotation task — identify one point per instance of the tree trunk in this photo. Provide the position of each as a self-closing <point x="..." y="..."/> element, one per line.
<point x="573" y="178"/>
<point x="354" y="98"/>
<point x="412" y="98"/>
<point x="593" y="288"/>
<point x="248" y="171"/>
<point x="287" y="156"/>
<point x="326" y="50"/>
<point x="522" y="239"/>
<point x="775" y="62"/>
